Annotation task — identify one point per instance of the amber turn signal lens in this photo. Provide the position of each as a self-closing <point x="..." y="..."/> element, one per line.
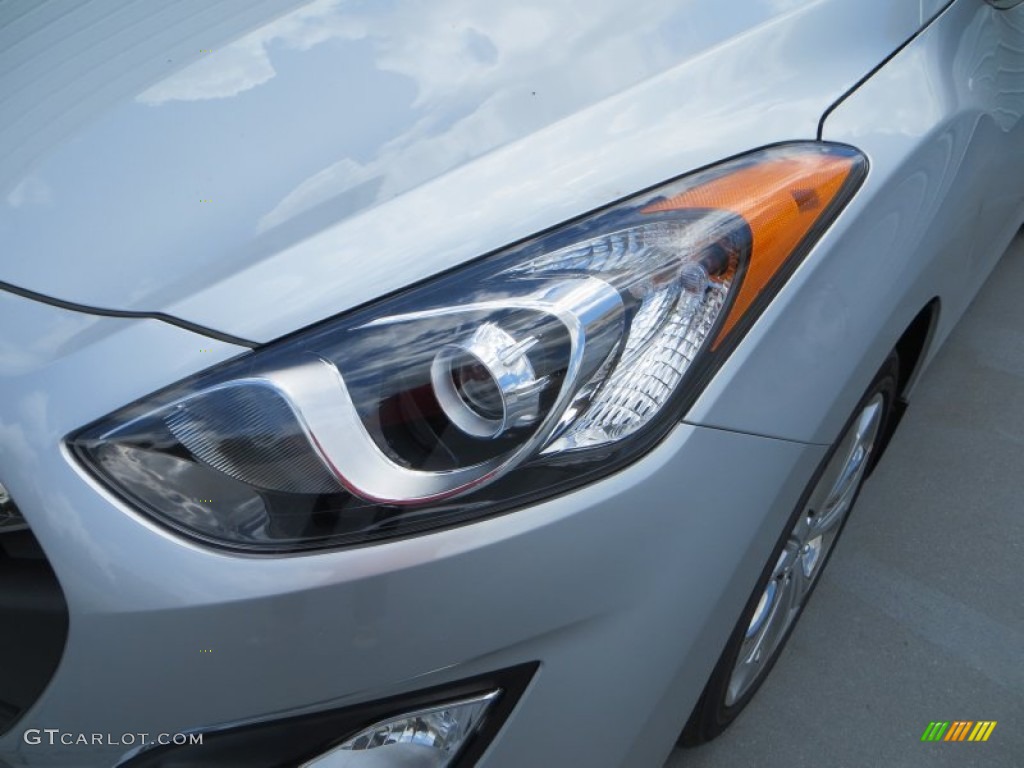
<point x="781" y="199"/>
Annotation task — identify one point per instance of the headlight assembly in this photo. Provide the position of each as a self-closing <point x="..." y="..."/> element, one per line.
<point x="515" y="377"/>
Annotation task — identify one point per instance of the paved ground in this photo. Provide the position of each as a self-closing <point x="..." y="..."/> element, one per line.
<point x="920" y="615"/>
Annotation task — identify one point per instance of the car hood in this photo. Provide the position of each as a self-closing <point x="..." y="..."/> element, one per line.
<point x="254" y="167"/>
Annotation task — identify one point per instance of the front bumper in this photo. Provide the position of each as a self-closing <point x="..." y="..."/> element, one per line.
<point x="624" y="591"/>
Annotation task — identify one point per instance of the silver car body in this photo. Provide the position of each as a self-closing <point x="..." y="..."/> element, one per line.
<point x="347" y="152"/>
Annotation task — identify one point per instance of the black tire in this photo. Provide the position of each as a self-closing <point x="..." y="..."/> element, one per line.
<point x="713" y="713"/>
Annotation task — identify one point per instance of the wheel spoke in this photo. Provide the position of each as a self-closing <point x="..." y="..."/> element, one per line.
<point x="755" y="649"/>
<point x="783" y="616"/>
<point x="768" y="625"/>
<point x="804" y="527"/>
<point x="838" y="501"/>
<point x="805" y="573"/>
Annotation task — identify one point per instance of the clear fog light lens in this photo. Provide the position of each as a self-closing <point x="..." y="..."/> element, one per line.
<point x="427" y="738"/>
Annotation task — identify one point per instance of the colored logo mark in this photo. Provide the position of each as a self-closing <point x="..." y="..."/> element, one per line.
<point x="959" y="730"/>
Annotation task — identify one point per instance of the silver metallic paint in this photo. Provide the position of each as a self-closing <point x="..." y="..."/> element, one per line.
<point x="345" y="158"/>
<point x="609" y="586"/>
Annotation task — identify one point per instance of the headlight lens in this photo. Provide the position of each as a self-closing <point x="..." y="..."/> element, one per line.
<point x="522" y="374"/>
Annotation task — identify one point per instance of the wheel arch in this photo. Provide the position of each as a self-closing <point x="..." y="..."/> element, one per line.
<point x="913" y="344"/>
<point x="911" y="348"/>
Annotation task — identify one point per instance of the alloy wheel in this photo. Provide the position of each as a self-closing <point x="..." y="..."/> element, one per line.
<point x="806" y="549"/>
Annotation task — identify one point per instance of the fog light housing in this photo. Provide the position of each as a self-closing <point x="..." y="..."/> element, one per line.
<point x="448" y="726"/>
<point x="426" y="738"/>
